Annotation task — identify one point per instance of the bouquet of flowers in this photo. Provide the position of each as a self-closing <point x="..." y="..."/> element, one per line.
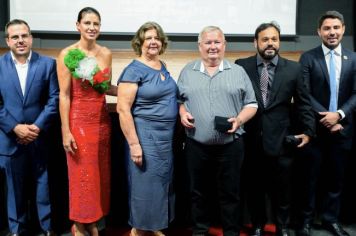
<point x="86" y="68"/>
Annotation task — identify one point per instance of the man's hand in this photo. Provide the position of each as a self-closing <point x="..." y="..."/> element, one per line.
<point x="236" y="123"/>
<point x="336" y="128"/>
<point x="34" y="128"/>
<point x="187" y="120"/>
<point x="26" y="133"/>
<point x="330" y="118"/>
<point x="305" y="139"/>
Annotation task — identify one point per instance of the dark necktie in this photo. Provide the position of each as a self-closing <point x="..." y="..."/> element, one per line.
<point x="332" y="83"/>
<point x="264" y="83"/>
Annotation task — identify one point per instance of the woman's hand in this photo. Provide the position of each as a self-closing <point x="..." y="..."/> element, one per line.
<point x="69" y="144"/>
<point x="136" y="154"/>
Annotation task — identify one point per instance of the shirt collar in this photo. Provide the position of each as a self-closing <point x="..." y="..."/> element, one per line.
<point x="16" y="62"/>
<point x="224" y="65"/>
<point x="260" y="60"/>
<point x="327" y="50"/>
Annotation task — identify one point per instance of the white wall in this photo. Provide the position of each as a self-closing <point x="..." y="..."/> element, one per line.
<point x="235" y="17"/>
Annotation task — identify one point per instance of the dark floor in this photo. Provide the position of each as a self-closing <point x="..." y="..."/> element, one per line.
<point x="214" y="231"/>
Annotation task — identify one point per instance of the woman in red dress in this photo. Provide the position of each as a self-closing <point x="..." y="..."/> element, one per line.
<point x="84" y="73"/>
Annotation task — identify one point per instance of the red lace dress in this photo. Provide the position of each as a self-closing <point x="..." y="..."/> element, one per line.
<point x="89" y="167"/>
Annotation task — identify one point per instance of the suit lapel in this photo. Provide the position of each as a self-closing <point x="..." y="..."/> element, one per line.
<point x="277" y="80"/>
<point x="322" y="63"/>
<point x="255" y="80"/>
<point x="13" y="76"/>
<point x="31" y="73"/>
<point x="345" y="66"/>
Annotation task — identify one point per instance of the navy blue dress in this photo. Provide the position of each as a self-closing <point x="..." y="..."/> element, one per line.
<point x="155" y="109"/>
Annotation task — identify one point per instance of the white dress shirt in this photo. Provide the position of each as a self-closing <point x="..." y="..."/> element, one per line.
<point x="22" y="70"/>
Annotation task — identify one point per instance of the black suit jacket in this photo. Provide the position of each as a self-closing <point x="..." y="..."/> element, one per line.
<point x="273" y="123"/>
<point x="316" y="77"/>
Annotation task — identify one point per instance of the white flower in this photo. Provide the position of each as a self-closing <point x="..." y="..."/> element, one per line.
<point x="86" y="68"/>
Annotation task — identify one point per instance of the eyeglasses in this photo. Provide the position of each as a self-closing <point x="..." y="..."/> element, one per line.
<point x="16" y="38"/>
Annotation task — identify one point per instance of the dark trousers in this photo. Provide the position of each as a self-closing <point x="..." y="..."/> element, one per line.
<point x="267" y="176"/>
<point x="215" y="165"/>
<point x="324" y="161"/>
<point x="14" y="169"/>
<point x="26" y="170"/>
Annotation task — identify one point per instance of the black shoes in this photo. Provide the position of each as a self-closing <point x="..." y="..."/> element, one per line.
<point x="199" y="234"/>
<point x="335" y="228"/>
<point x="282" y="231"/>
<point x="257" y="231"/>
<point x="305" y="230"/>
<point x="45" y="233"/>
<point x="49" y="233"/>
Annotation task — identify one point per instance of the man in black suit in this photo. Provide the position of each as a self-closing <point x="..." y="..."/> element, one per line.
<point x="267" y="167"/>
<point x="329" y="72"/>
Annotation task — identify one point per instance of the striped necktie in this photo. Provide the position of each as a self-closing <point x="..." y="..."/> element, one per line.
<point x="264" y="83"/>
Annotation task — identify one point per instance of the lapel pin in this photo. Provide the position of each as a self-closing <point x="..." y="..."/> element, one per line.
<point x="345" y="57"/>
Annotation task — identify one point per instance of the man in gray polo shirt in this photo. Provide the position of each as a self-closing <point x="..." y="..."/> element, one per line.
<point x="216" y="98"/>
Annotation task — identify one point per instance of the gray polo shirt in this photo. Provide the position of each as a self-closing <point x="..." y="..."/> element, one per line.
<point x="223" y="94"/>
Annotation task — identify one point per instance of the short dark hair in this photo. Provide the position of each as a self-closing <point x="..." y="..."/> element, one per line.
<point x="264" y="26"/>
<point x="87" y="10"/>
<point x="332" y="15"/>
<point x="15" y="22"/>
<point x="139" y="37"/>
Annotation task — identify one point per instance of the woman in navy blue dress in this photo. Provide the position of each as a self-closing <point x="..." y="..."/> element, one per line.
<point x="147" y="107"/>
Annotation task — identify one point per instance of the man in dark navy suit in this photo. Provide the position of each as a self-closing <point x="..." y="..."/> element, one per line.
<point x="29" y="103"/>
<point x="329" y="72"/>
<point x="268" y="163"/>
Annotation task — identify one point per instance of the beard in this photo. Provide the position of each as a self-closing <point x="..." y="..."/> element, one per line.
<point x="331" y="45"/>
<point x="268" y="55"/>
